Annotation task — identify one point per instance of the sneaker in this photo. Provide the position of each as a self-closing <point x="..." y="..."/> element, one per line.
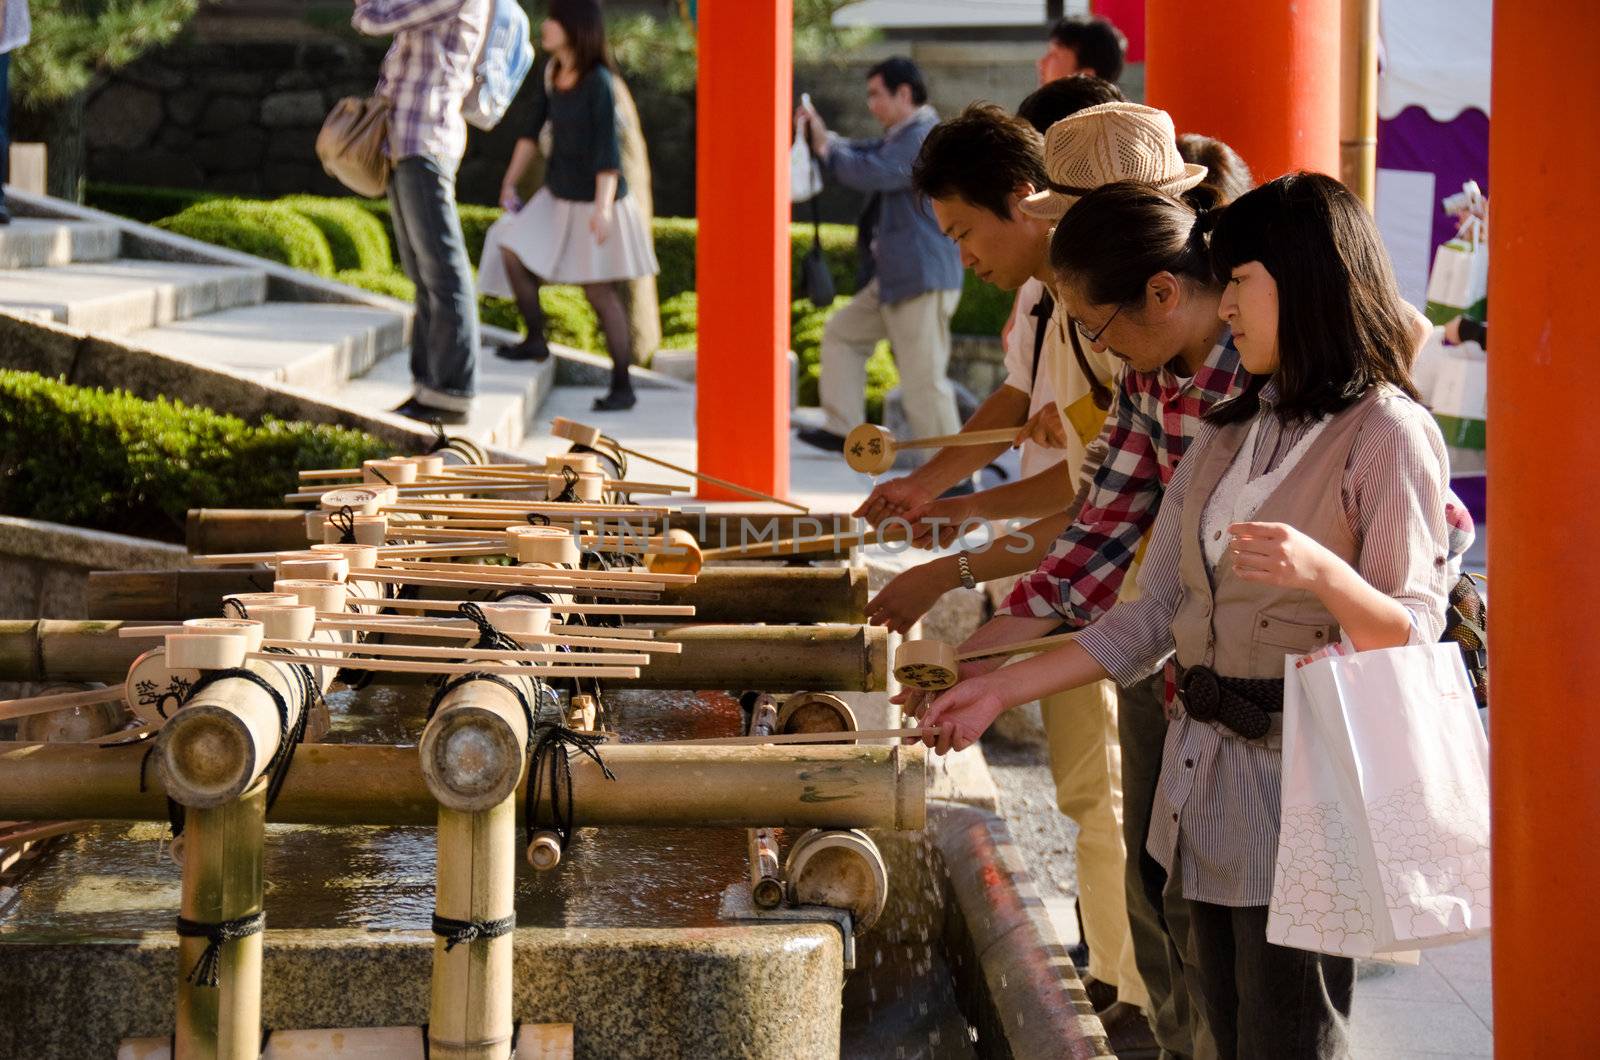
<point x="416" y="410"/>
<point x="615" y="401"/>
<point x="821" y="438"/>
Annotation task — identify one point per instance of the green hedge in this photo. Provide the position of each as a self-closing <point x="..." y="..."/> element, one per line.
<point x="356" y="239"/>
<point x="264" y="229"/>
<point x="138" y="466"/>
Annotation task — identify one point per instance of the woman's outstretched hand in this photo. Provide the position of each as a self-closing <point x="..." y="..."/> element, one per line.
<point x="962" y="714"/>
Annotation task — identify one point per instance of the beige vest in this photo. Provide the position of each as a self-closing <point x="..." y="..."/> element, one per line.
<point x="1241" y="628"/>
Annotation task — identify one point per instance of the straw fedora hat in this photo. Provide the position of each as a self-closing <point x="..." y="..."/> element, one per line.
<point x="1104" y="144"/>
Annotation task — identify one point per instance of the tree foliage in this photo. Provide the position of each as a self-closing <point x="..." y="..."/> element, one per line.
<point x="74" y="40"/>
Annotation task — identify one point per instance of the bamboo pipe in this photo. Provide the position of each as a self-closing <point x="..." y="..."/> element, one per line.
<point x="222" y="881"/>
<point x="933" y="665"/>
<point x="766" y="874"/>
<point x="211" y="751"/>
<point x="591" y="510"/>
<point x="721" y="594"/>
<point x="16" y="832"/>
<point x="469" y="1009"/>
<point x="582" y="434"/>
<point x="857" y="786"/>
<point x="535" y="1041"/>
<point x="1358" y="92"/>
<point x="771" y="659"/>
<point x="758" y="658"/>
<point x="209" y="530"/>
<point x="870" y="449"/>
<point x="473" y="753"/>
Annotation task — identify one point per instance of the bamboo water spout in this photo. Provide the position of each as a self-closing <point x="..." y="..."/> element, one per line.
<point x="852" y="786"/>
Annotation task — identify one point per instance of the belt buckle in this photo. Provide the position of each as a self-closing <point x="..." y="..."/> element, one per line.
<point x="1200" y="692"/>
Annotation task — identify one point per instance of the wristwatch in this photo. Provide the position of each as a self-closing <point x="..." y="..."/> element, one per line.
<point x="964" y="567"/>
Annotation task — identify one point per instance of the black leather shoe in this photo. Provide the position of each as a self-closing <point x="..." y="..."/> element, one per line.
<point x="533" y="348"/>
<point x="821" y="438"/>
<point x="429" y="414"/>
<point x="1101" y="995"/>
<point x="616" y="401"/>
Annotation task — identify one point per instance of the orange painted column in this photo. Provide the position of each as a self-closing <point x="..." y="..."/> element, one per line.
<point x="743" y="115"/>
<point x="1544" y="741"/>
<point x="1260" y="75"/>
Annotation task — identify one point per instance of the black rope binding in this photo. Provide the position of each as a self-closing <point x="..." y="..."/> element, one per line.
<point x="344" y="521"/>
<point x="204" y="972"/>
<point x="569" y="491"/>
<point x="455" y="932"/>
<point x="239" y="610"/>
<point x="552" y="755"/>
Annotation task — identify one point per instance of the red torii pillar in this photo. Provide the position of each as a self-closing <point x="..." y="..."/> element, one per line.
<point x="743" y="113"/>
<point x="1544" y="744"/>
<point x="1260" y="75"/>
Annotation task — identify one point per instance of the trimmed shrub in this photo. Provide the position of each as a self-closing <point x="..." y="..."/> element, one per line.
<point x="138" y="466"/>
<point x="142" y="203"/>
<point x="355" y="237"/>
<point x="674" y="237"/>
<point x="264" y="229"/>
<point x="392" y="283"/>
<point x="680" y="321"/>
<point x="475" y="222"/>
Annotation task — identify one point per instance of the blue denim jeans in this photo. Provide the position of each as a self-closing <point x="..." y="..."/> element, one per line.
<point x="427" y="234"/>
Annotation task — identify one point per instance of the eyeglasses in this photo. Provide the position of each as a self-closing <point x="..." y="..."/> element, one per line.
<point x="1092" y="339"/>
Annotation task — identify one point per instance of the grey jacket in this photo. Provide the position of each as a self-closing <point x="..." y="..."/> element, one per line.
<point x="898" y="240"/>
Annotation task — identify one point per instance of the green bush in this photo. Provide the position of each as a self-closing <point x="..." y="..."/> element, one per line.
<point x="674" y="238"/>
<point x="138" y="466"/>
<point x="475" y="222"/>
<point x="680" y="321"/>
<point x="142" y="203"/>
<point x="356" y="239"/>
<point x="392" y="283"/>
<point x="264" y="229"/>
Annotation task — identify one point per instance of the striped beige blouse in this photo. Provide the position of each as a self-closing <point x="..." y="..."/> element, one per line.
<point x="1218" y="797"/>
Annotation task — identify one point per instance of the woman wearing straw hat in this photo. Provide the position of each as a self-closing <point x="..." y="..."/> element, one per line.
<point x="581" y="227"/>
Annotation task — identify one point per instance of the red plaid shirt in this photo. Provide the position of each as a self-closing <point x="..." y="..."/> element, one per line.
<point x="1155" y="416"/>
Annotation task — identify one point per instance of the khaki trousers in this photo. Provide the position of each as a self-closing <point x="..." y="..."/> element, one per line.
<point x="1086" y="763"/>
<point x="918" y="330"/>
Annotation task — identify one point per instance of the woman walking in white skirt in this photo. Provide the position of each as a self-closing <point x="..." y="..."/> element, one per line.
<point x="581" y="227"/>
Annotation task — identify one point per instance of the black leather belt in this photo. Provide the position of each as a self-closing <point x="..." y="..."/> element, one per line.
<point x="1243" y="704"/>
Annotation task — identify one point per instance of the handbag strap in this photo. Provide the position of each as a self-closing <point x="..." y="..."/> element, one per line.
<point x="1042" y="311"/>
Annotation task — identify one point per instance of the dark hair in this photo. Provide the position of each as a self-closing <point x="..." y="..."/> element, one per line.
<point x="1342" y="327"/>
<point x="981" y="155"/>
<point x="1119" y="235"/>
<point x="897" y="70"/>
<point x="1064" y="97"/>
<point x="1227" y="176"/>
<point x="585" y="28"/>
<point x="1097" y="43"/>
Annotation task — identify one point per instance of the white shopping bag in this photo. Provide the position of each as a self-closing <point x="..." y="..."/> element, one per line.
<point x="1384" y="841"/>
<point x="1459" y="281"/>
<point x="1459" y="396"/>
<point x="805" y="172"/>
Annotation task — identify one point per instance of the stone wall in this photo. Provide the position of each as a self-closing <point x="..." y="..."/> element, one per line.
<point x="243" y="117"/>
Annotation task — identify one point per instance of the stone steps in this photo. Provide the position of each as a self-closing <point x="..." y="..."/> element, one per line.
<point x="37" y="243"/>
<point x="311" y="345"/>
<point x="510" y="394"/>
<point x="350" y="354"/>
<point x="124" y="296"/>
